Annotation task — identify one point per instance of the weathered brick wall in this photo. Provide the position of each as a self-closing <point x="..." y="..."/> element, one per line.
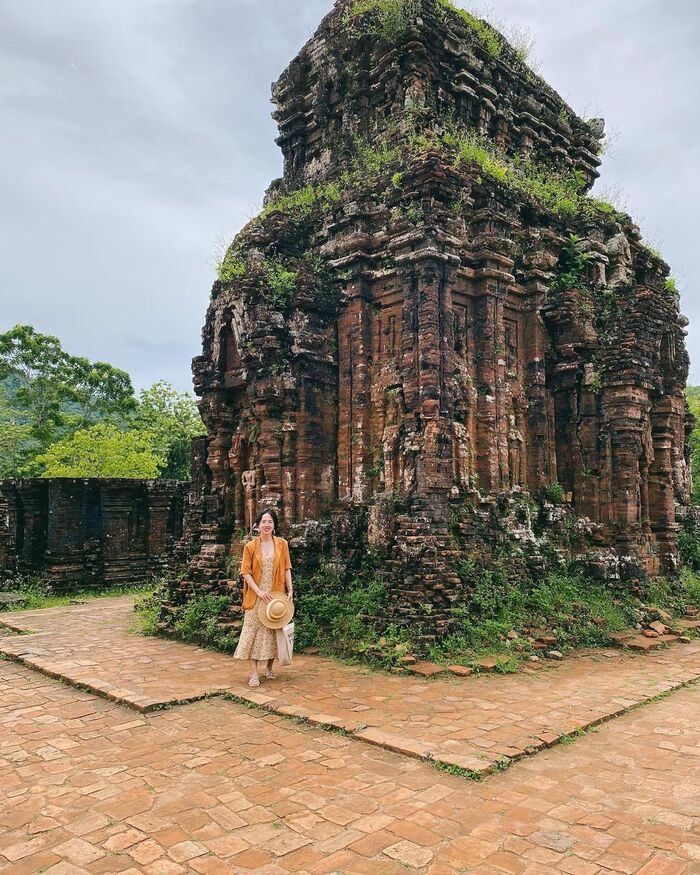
<point x="90" y="533"/>
<point x="430" y="359"/>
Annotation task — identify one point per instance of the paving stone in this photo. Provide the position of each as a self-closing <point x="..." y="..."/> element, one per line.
<point x="426" y="669"/>
<point x="246" y="790"/>
<point x="488" y="663"/>
<point x="374" y="707"/>
<point x="409" y="854"/>
<point x="663" y="866"/>
<point x="462" y="671"/>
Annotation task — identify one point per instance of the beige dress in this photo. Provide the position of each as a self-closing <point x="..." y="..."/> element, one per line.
<point x="257" y="641"/>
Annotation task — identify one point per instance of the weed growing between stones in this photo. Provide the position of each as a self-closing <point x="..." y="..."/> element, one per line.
<point x="561" y="194"/>
<point x="386" y="19"/>
<point x="554" y="493"/>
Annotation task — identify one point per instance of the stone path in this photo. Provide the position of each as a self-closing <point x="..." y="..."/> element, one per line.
<point x="89" y="786"/>
<point x="472" y="723"/>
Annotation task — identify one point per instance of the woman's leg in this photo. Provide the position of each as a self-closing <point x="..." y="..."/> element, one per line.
<point x="253" y="665"/>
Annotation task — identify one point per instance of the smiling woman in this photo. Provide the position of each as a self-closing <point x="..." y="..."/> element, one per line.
<point x="266" y="572"/>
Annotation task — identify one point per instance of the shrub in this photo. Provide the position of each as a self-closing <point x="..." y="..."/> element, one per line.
<point x="579" y="611"/>
<point x="690" y="581"/>
<point x="554" y="493"/>
<point x="336" y="613"/>
<point x="281" y="282"/>
<point x="198" y="622"/>
<point x="386" y="19"/>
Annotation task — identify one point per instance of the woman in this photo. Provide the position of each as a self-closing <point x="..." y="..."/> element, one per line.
<point x="266" y="568"/>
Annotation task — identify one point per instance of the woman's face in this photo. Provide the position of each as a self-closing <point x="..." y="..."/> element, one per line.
<point x="267" y="524"/>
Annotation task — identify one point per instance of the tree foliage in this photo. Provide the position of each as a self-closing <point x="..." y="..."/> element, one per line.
<point x="49" y="394"/>
<point x="103" y="450"/>
<point x="65" y="416"/>
<point x="172" y="417"/>
<point x="15" y="443"/>
<point x="692" y="394"/>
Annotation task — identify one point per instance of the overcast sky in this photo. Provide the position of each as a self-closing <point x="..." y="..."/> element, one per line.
<point x="135" y="133"/>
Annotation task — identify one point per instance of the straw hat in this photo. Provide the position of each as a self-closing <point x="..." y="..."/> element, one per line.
<point x="276" y="613"/>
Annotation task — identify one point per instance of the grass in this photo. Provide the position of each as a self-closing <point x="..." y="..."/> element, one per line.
<point x="39" y="596"/>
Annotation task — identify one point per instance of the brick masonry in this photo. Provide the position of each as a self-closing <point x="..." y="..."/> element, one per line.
<point x="90" y="533"/>
<point x="426" y="376"/>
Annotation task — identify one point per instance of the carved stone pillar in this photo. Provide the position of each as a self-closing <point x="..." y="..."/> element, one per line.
<point x="662" y="505"/>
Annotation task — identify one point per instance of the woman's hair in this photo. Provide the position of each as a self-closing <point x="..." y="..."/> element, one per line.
<point x="274" y="519"/>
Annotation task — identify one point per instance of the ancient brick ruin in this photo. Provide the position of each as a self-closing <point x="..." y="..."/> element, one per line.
<point x="90" y="533"/>
<point x="431" y="325"/>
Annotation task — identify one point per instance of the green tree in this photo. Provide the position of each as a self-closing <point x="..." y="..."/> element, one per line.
<point x="174" y="419"/>
<point x="103" y="450"/>
<point x="692" y="394"/>
<point x="48" y="395"/>
<point x="36" y="368"/>
<point x="17" y="445"/>
<point x="99" y="391"/>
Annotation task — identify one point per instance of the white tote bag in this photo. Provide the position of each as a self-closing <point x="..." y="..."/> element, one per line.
<point x="285" y="644"/>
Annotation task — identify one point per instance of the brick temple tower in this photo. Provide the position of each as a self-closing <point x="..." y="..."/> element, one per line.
<point x="431" y="316"/>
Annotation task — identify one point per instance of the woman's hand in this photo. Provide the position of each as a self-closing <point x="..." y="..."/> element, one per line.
<point x="265" y="596"/>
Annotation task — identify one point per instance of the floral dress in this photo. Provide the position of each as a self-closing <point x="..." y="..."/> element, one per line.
<point x="257" y="641"/>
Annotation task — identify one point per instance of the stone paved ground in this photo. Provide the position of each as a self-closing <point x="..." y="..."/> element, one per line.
<point x="470" y="722"/>
<point x="89" y="786"/>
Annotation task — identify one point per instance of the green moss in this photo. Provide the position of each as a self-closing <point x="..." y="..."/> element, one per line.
<point x="562" y="194"/>
<point x="231" y="267"/>
<point x="304" y="201"/>
<point x="487" y="35"/>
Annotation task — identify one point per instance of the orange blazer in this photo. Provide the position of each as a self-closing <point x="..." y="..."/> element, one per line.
<point x="252" y="564"/>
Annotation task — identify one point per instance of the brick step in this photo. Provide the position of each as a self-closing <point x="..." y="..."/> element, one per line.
<point x="641" y="644"/>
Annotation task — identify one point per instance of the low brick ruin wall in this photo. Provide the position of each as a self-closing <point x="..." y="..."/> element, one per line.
<point x="90" y="533"/>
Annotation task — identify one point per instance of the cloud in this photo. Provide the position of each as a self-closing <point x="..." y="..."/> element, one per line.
<point x="136" y="133"/>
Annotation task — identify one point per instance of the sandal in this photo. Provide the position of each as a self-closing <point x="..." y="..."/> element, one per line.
<point x="270" y="675"/>
<point x="254" y="682"/>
